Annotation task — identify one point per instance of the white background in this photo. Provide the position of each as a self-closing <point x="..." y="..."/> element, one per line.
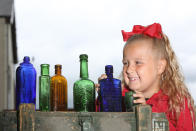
<point x="58" y="31"/>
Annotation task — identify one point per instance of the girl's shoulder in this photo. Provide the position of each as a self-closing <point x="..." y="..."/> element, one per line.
<point x="159" y="96"/>
<point x="186" y="118"/>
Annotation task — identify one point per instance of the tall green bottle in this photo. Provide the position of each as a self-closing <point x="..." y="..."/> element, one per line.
<point x="44" y="88"/>
<point x="84" y="89"/>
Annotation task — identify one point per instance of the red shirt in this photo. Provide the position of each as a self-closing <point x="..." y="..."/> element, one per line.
<point x="159" y="103"/>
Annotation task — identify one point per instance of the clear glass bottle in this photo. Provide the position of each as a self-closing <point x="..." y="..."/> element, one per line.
<point x="58" y="91"/>
<point x="44" y="88"/>
<point x="25" y="83"/>
<point x="110" y="92"/>
<point x="84" y="89"/>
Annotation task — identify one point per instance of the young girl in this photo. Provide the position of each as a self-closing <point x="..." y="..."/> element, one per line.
<point x="150" y="68"/>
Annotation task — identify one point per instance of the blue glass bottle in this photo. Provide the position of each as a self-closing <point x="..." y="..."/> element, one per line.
<point x="110" y="92"/>
<point x="25" y="83"/>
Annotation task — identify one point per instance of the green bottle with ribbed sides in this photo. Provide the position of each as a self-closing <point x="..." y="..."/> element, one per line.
<point x="84" y="89"/>
<point x="44" y="88"/>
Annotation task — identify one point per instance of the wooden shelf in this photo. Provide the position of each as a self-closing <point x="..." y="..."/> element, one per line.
<point x="27" y="119"/>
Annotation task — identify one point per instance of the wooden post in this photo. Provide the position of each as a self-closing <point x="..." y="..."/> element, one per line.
<point x="144" y="118"/>
<point x="3" y="65"/>
<point x="26" y="119"/>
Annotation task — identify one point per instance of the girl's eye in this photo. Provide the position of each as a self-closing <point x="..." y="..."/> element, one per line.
<point x="125" y="63"/>
<point x="138" y="62"/>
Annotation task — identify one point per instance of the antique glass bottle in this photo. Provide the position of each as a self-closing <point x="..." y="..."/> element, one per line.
<point x="84" y="89"/>
<point x="44" y="88"/>
<point x="129" y="104"/>
<point x="110" y="92"/>
<point x="25" y="83"/>
<point x="58" y="91"/>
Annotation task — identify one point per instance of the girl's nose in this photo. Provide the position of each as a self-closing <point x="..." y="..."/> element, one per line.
<point x="130" y="69"/>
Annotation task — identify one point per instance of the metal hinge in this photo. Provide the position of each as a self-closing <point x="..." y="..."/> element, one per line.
<point x="85" y="121"/>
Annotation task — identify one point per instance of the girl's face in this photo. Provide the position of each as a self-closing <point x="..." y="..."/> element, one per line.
<point x="141" y="67"/>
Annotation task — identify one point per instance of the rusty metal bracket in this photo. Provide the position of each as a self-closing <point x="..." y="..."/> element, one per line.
<point x="85" y="121"/>
<point x="159" y="122"/>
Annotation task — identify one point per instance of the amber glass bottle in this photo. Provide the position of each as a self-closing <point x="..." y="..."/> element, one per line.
<point x="58" y="91"/>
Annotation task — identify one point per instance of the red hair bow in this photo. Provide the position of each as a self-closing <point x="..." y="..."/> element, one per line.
<point x="153" y="31"/>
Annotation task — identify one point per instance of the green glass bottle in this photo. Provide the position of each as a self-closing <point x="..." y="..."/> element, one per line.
<point x="129" y="104"/>
<point x="84" y="89"/>
<point x="44" y="88"/>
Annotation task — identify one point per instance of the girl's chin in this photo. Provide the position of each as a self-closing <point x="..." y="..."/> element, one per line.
<point x="134" y="88"/>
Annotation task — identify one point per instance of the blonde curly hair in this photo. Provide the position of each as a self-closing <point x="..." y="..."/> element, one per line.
<point x="172" y="81"/>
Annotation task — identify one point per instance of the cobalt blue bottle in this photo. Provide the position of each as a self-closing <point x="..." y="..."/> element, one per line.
<point x="110" y="92"/>
<point x="25" y="83"/>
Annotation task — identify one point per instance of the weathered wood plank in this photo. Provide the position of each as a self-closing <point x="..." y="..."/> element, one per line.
<point x="29" y="120"/>
<point x="8" y="121"/>
<point x="26" y="117"/>
<point x="144" y="118"/>
<point x="72" y="121"/>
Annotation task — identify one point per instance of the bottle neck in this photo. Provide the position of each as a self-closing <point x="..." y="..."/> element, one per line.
<point x="83" y="69"/>
<point x="109" y="75"/>
<point x="109" y="71"/>
<point x="44" y="69"/>
<point x="58" y="71"/>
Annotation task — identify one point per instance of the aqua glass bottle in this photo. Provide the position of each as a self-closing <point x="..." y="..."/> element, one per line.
<point x="44" y="88"/>
<point x="58" y="91"/>
<point x="84" y="89"/>
<point x="25" y="83"/>
<point x="110" y="92"/>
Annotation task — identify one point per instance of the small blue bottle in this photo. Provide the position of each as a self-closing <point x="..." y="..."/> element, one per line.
<point x="110" y="92"/>
<point x="25" y="83"/>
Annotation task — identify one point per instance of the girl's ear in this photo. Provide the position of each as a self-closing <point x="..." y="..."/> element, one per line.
<point x="161" y="66"/>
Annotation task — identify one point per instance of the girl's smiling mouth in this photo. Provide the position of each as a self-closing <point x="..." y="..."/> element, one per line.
<point x="132" y="79"/>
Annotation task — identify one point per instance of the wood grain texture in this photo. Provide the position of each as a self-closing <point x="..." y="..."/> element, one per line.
<point x="27" y="119"/>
